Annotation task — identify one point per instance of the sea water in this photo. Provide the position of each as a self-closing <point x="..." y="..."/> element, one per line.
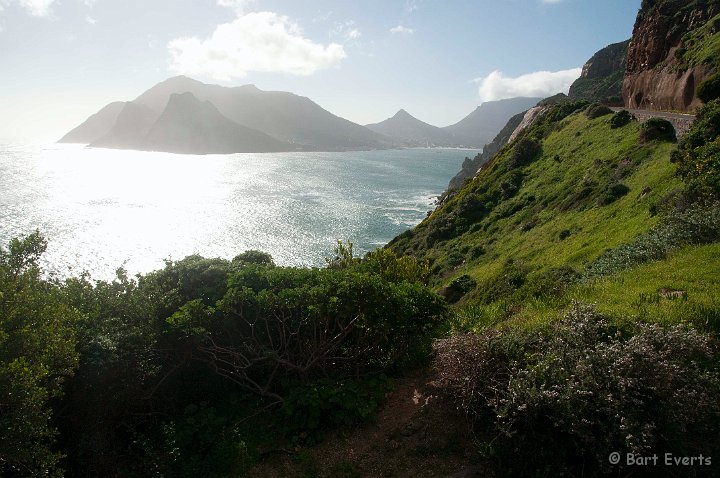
<point x="101" y="209"/>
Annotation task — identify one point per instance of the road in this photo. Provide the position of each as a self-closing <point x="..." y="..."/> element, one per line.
<point x="680" y="121"/>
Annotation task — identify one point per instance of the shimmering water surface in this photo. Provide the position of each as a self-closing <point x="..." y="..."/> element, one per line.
<point x="101" y="209"/>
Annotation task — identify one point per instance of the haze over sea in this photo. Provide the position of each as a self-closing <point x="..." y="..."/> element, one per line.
<point x="101" y="209"/>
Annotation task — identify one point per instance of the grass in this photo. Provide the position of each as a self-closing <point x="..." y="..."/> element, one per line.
<point x="589" y="152"/>
<point x="633" y="295"/>
<point x="702" y="45"/>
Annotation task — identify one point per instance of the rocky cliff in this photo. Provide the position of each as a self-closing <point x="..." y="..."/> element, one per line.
<point x="602" y="75"/>
<point x="667" y="60"/>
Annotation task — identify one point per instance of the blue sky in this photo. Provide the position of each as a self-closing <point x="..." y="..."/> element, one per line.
<point x="62" y="60"/>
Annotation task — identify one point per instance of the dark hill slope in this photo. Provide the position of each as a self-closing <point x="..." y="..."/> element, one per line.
<point x="191" y="126"/>
<point x="411" y="131"/>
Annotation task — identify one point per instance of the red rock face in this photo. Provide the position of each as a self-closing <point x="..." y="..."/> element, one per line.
<point x="653" y="79"/>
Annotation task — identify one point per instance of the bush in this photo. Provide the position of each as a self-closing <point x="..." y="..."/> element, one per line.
<point x="612" y="193"/>
<point x="596" y="110"/>
<point x="38" y="340"/>
<point x="709" y="89"/>
<point x="275" y="325"/>
<point x="525" y="152"/>
<point x="698" y="157"/>
<point x="458" y="288"/>
<point x="511" y="278"/>
<point x="310" y="409"/>
<point x="620" y="119"/>
<point x="657" y="129"/>
<point x="563" y="398"/>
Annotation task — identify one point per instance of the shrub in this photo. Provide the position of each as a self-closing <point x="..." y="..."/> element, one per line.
<point x="657" y="129"/>
<point x="612" y="193"/>
<point x="551" y="282"/>
<point x="38" y="340"/>
<point x="275" y="325"/>
<point x="620" y="119"/>
<point x="505" y="283"/>
<point x="312" y="408"/>
<point x="596" y="110"/>
<point x="698" y="157"/>
<point x="253" y="257"/>
<point x="709" y="89"/>
<point x="525" y="152"/>
<point x="563" y="398"/>
<point x="458" y="288"/>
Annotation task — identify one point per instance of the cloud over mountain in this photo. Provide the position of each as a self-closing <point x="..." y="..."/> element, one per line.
<point x="497" y="86"/>
<point x="256" y="41"/>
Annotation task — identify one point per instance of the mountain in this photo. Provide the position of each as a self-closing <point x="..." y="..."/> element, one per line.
<point x="191" y="126"/>
<point x="602" y="75"/>
<point x="96" y="126"/>
<point x="131" y="126"/>
<point x="287" y="117"/>
<point x="411" y="131"/>
<point x="481" y="126"/>
<point x="284" y="116"/>
<point x="675" y="47"/>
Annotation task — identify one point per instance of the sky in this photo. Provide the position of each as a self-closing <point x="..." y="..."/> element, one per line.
<point x="62" y="60"/>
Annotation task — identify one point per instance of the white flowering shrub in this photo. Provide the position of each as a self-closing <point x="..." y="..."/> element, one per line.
<point x="562" y="399"/>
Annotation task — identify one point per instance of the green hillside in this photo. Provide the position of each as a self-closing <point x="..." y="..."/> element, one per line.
<point x="540" y="215"/>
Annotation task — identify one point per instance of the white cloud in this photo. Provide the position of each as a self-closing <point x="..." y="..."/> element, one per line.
<point x="239" y="6"/>
<point x="259" y="41"/>
<point x="36" y="8"/>
<point x="90" y="20"/>
<point x="497" y="86"/>
<point x="401" y="30"/>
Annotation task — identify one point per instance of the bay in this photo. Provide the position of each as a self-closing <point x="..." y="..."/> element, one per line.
<point x="101" y="209"/>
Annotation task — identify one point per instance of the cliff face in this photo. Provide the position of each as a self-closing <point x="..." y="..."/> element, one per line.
<point x="602" y="75"/>
<point x="658" y="74"/>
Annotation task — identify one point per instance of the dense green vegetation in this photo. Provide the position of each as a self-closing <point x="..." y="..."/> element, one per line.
<point x="188" y="370"/>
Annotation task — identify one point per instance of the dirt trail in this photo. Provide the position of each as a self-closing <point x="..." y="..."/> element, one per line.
<point x="416" y="434"/>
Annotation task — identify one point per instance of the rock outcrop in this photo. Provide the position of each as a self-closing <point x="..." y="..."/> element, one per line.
<point x="602" y="76"/>
<point x="660" y="74"/>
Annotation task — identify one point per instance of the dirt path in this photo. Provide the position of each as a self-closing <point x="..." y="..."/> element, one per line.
<point x="416" y="434"/>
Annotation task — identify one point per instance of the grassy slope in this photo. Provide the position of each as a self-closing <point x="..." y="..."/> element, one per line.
<point x="590" y="151"/>
<point x="702" y="45"/>
<point x="591" y="155"/>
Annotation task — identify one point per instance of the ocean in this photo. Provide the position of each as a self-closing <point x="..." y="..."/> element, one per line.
<point x="102" y="209"/>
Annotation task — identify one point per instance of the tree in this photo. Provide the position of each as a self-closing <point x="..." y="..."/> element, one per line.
<point x="37" y="352"/>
